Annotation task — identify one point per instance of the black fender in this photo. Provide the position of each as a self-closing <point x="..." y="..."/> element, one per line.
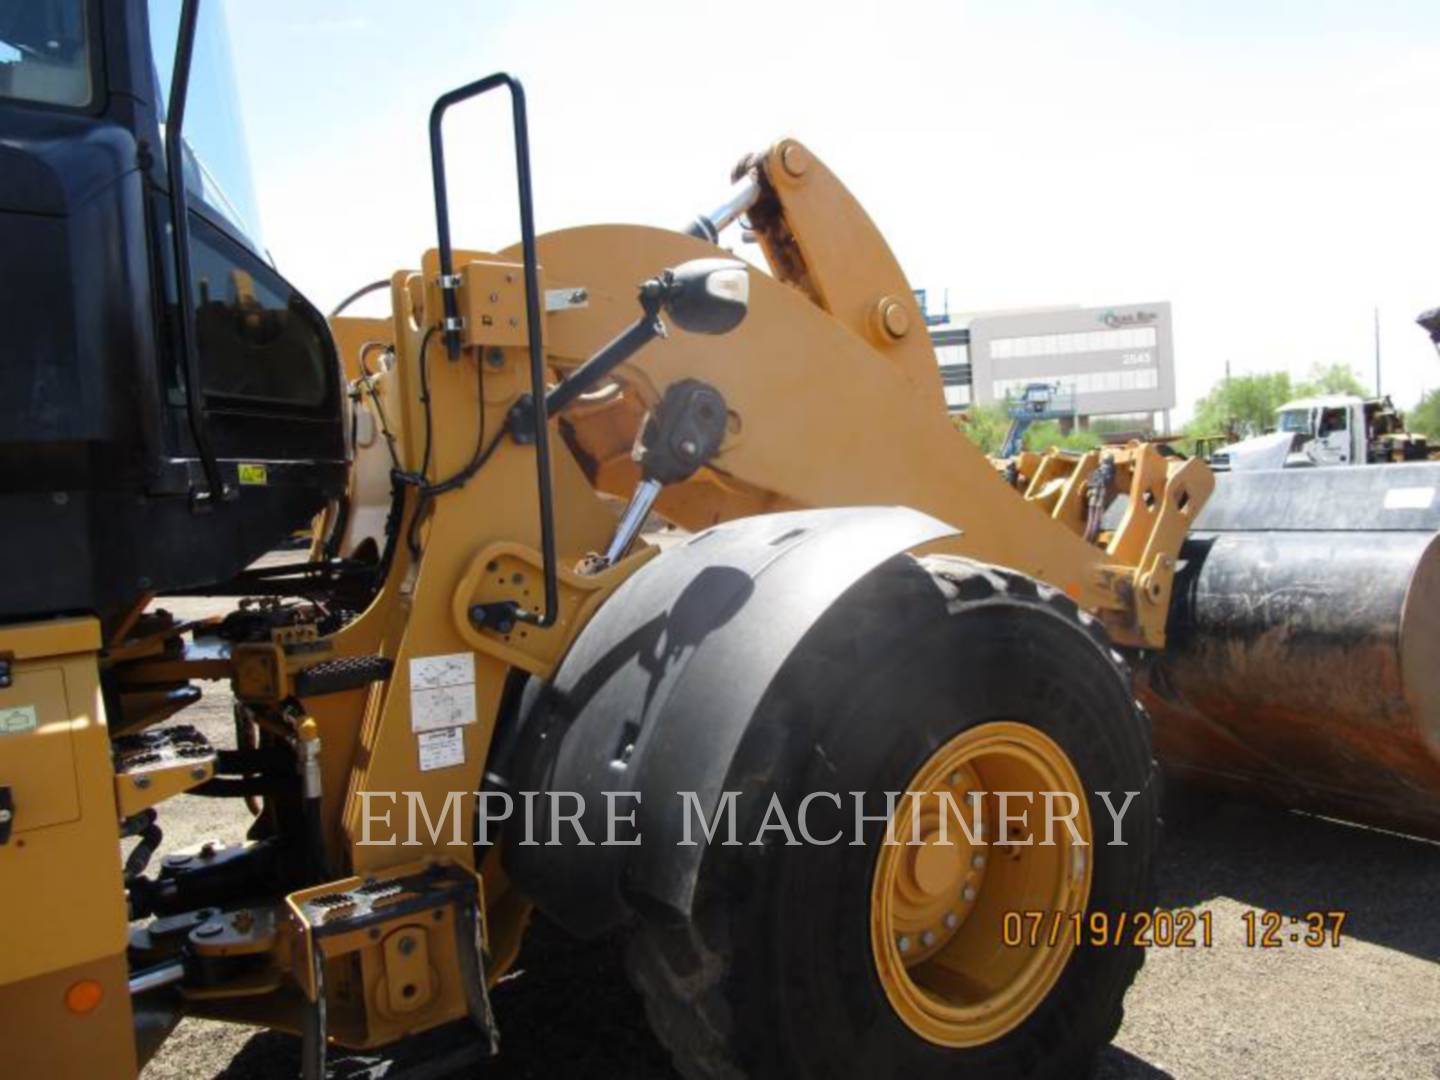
<point x="657" y="693"/>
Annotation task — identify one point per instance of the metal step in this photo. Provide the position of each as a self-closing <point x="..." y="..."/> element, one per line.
<point x="160" y="748"/>
<point x="341" y="674"/>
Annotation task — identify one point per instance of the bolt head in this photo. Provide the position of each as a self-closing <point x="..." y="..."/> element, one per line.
<point x="406" y="946"/>
<point x="969" y="893"/>
<point x="978" y="862"/>
<point x="198" y="773"/>
<point x="794" y="160"/>
<point x="951" y="920"/>
<point x="896" y="319"/>
<point x="927" y="938"/>
<point x="903" y="943"/>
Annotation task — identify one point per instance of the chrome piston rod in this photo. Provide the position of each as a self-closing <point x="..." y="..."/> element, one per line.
<point x="742" y="197"/>
<point x="156" y="977"/>
<point x="632" y="520"/>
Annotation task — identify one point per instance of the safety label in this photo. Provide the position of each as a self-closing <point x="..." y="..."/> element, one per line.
<point x="17" y="719"/>
<point x="441" y="749"/>
<point x="252" y="473"/>
<point x="442" y="691"/>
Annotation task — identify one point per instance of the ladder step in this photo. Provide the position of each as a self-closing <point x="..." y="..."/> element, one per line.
<point x="342" y="673"/>
<point x="161" y="747"/>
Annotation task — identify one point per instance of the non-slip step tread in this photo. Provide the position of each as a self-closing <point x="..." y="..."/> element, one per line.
<point x="342" y="673"/>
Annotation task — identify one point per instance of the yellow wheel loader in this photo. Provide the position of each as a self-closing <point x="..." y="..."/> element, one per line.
<point x="776" y="754"/>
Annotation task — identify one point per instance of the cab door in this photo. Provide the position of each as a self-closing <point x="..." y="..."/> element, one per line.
<point x="1331" y="445"/>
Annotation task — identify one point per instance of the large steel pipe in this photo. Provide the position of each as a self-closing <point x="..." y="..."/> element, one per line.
<point x="1303" y="662"/>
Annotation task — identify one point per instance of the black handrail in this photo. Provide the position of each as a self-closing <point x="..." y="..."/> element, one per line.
<point x="532" y="304"/>
<point x="184" y="277"/>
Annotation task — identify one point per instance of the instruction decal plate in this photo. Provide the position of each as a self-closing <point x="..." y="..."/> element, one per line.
<point x="441" y="749"/>
<point x="442" y="691"/>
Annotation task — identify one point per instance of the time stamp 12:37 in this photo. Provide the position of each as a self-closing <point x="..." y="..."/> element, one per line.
<point x="1185" y="928"/>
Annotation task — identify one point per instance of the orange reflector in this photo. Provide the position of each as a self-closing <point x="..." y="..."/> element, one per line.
<point x="83" y="996"/>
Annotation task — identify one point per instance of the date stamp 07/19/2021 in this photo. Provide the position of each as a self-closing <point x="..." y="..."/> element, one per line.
<point x="1184" y="928"/>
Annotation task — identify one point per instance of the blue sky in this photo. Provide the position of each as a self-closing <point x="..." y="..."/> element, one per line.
<point x="1271" y="169"/>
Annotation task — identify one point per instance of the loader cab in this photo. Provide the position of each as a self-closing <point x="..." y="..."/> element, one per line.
<point x="210" y="438"/>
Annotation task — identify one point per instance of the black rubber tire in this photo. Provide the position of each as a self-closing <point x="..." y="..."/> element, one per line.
<point x="773" y="975"/>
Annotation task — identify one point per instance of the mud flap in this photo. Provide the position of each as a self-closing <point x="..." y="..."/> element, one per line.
<point x="656" y="696"/>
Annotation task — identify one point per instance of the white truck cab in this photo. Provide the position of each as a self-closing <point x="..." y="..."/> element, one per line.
<point x="1332" y="429"/>
<point x="1325" y="431"/>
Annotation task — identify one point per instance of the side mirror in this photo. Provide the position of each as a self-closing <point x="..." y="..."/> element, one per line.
<point x="703" y="296"/>
<point x="707" y="296"/>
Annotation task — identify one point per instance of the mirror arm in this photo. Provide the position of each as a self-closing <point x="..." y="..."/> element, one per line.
<point x="631" y="340"/>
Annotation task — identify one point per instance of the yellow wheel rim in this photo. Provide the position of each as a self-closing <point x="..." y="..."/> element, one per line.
<point x="938" y="908"/>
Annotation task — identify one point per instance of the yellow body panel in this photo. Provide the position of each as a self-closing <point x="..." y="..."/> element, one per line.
<point x="62" y="910"/>
<point x="45" y="1040"/>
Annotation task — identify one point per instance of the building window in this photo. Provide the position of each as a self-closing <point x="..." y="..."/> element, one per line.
<point x="1085" y="341"/>
<point x="950" y="355"/>
<point x="1088" y="382"/>
<point x="957" y="397"/>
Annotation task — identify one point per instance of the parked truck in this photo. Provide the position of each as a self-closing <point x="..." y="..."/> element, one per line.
<point x="1332" y="429"/>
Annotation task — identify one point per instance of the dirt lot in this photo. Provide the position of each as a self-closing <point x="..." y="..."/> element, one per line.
<point x="1367" y="1009"/>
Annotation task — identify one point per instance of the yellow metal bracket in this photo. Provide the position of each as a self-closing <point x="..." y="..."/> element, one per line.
<point x="490" y="295"/>
<point x="417" y="933"/>
<point x="506" y="571"/>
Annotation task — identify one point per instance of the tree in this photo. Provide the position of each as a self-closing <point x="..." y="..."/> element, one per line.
<point x="1046" y="433"/>
<point x="1331" y="379"/>
<point x="984" y="425"/>
<point x="987" y="425"/>
<point x="1245" y="404"/>
<point x="1424" y="418"/>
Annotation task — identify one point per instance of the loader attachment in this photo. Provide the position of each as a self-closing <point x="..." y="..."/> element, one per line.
<point x="1302" y="647"/>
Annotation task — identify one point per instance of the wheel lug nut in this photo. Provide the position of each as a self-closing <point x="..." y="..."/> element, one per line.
<point x="951" y="920"/>
<point x="978" y="861"/>
<point x="927" y="938"/>
<point x="954" y="779"/>
<point x="968" y="894"/>
<point x="903" y="943"/>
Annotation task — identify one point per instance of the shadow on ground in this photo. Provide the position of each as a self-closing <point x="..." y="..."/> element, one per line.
<point x="1295" y="863"/>
<point x="568" y="1009"/>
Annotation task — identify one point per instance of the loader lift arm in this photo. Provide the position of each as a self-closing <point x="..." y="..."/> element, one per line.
<point x="835" y="400"/>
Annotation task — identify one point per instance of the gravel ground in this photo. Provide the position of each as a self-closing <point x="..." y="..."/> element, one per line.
<point x="1367" y="1009"/>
